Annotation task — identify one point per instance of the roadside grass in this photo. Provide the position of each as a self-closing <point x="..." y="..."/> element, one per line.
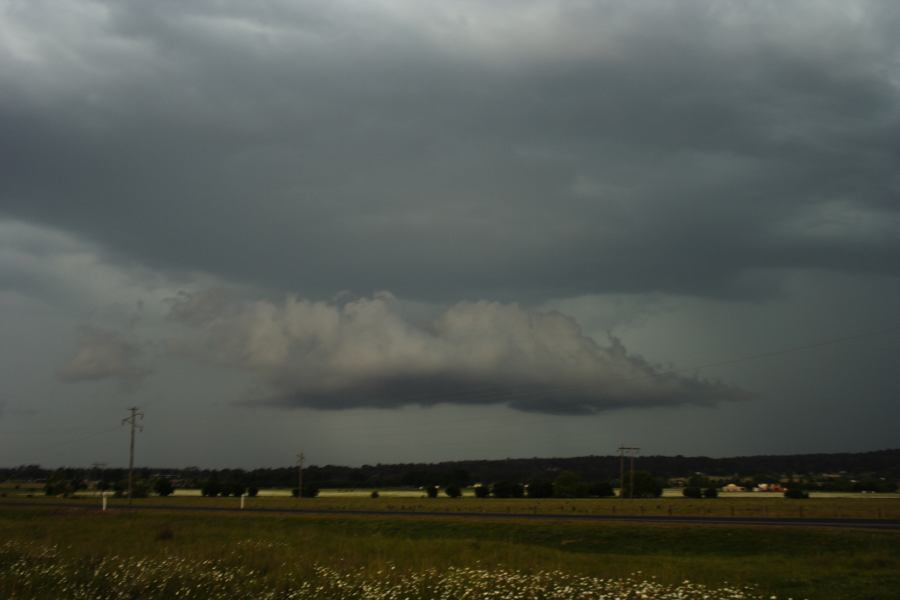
<point x="283" y="551"/>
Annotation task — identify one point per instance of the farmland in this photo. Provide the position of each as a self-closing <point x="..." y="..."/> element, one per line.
<point x="53" y="552"/>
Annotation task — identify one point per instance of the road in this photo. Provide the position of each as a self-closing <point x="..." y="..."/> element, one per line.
<point x="884" y="524"/>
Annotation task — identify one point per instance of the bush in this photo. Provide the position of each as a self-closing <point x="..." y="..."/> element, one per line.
<point x="237" y="489"/>
<point x="374" y="494"/>
<point x="481" y="490"/>
<point x="310" y="490"/>
<point x="432" y="491"/>
<point x="253" y="492"/>
<point x="711" y="492"/>
<point x="295" y="492"/>
<point x="453" y="491"/>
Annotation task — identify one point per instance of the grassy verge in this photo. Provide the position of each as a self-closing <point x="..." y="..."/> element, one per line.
<point x="276" y="554"/>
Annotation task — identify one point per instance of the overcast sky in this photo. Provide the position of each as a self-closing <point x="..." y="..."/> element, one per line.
<point x="403" y="230"/>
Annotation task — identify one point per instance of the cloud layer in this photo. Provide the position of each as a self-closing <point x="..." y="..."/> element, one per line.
<point x="104" y="354"/>
<point x="505" y="150"/>
<point x="367" y="353"/>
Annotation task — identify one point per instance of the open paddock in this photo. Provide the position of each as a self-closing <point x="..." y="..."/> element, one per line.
<point x="53" y="552"/>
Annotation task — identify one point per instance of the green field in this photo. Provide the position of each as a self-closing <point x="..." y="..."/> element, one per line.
<point x="51" y="552"/>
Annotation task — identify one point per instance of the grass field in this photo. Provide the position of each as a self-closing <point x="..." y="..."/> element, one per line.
<point x="873" y="506"/>
<point x="58" y="553"/>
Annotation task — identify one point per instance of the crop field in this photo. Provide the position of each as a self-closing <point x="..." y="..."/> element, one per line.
<point x="52" y="552"/>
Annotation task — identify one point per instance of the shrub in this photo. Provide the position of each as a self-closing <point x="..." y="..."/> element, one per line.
<point x="310" y="490"/>
<point x="253" y="492"/>
<point x="237" y="489"/>
<point x="711" y="492"/>
<point x="481" y="490"/>
<point x="432" y="491"/>
<point x="374" y="494"/>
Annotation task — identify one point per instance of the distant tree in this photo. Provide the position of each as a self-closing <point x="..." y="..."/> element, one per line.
<point x="796" y="493"/>
<point x="569" y="485"/>
<point x="453" y="490"/>
<point x="163" y="486"/>
<point x="210" y="488"/>
<point x="253" y="492"/>
<point x="539" y="489"/>
<point x="711" y="492"/>
<point x="310" y="490"/>
<point x="295" y="492"/>
<point x="645" y="485"/>
<point x="692" y="491"/>
<point x="507" y="489"/>
<point x="600" y="489"/>
<point x="140" y="488"/>
<point x="481" y="490"/>
<point x="237" y="489"/>
<point x="432" y="491"/>
<point x="698" y="480"/>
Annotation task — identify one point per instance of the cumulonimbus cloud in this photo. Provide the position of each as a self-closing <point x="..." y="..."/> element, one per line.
<point x="368" y="353"/>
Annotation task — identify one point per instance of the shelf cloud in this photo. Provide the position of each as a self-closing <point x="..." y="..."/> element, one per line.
<point x="367" y="353"/>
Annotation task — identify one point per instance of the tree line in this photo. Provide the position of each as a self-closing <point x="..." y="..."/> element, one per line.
<point x="875" y="471"/>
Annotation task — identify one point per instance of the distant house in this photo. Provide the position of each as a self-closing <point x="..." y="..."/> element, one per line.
<point x="768" y="487"/>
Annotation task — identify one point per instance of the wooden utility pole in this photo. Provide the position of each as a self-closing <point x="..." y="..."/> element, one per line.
<point x="136" y="416"/>
<point x="299" y="475"/>
<point x="631" y="452"/>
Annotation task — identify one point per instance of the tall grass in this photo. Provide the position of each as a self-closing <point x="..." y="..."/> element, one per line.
<point x="274" y="554"/>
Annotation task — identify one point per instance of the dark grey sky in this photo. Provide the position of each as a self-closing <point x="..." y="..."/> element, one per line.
<point x="408" y="230"/>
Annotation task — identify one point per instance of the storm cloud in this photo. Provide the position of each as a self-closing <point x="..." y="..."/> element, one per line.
<point x="503" y="150"/>
<point x="542" y="184"/>
<point x="367" y="353"/>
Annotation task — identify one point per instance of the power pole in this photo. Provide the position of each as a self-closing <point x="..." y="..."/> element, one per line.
<point x="631" y="452"/>
<point x="136" y="416"/>
<point x="299" y="475"/>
